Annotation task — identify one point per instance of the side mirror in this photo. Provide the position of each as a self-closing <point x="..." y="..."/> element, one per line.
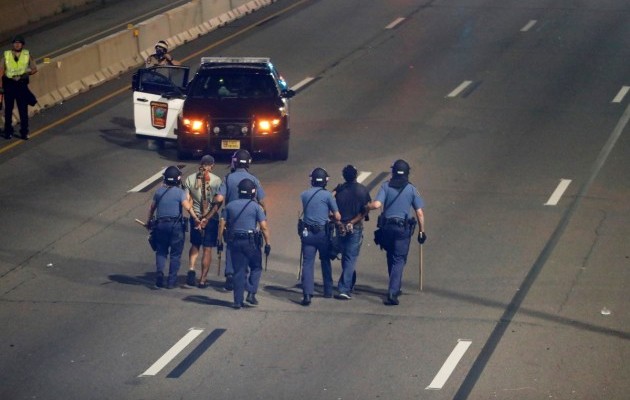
<point x="287" y="94"/>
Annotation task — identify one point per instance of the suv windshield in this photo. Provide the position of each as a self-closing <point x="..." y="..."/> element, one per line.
<point x="239" y="84"/>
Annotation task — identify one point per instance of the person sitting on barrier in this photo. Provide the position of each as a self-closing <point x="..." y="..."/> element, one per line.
<point x="161" y="56"/>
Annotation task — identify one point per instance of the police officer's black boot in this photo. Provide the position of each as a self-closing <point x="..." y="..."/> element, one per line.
<point x="251" y="299"/>
<point x="306" y="301"/>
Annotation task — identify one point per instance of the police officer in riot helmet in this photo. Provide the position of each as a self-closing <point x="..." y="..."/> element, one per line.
<point x="169" y="225"/>
<point x="242" y="218"/>
<point x="352" y="199"/>
<point x="228" y="191"/>
<point x="398" y="197"/>
<point x="318" y="204"/>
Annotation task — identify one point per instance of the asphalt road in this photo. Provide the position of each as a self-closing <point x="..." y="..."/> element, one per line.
<point x="513" y="116"/>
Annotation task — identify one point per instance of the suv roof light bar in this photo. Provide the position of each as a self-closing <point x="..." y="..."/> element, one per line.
<point x="235" y="60"/>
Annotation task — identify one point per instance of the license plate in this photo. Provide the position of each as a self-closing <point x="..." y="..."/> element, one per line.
<point x="230" y="144"/>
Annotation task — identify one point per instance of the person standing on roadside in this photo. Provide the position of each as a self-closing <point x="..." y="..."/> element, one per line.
<point x="201" y="187"/>
<point x="16" y="66"/>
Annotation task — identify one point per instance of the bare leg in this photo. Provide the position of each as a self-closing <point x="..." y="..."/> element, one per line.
<point x="206" y="261"/>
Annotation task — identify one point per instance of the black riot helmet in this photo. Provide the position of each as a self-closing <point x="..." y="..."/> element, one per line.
<point x="172" y="176"/>
<point x="241" y="159"/>
<point x="319" y="177"/>
<point x="349" y="173"/>
<point x="400" y="168"/>
<point x="18" y="39"/>
<point x="246" y="189"/>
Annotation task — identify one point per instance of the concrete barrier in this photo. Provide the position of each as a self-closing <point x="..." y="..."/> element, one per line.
<point x="213" y="8"/>
<point x="152" y="30"/>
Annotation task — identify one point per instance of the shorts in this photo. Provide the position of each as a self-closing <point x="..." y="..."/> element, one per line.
<point x="207" y="237"/>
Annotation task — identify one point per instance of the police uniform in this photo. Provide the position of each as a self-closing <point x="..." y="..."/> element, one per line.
<point x="15" y="77"/>
<point x="195" y="185"/>
<point x="228" y="191"/>
<point x="351" y="198"/>
<point x="242" y="217"/>
<point x="169" y="225"/>
<point x="317" y="204"/>
<point x="400" y="200"/>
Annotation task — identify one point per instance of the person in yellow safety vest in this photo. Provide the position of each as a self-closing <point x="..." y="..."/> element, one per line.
<point x="16" y="65"/>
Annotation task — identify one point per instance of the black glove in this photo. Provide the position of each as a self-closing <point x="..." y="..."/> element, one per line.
<point x="219" y="246"/>
<point x="422" y="237"/>
<point x="267" y="249"/>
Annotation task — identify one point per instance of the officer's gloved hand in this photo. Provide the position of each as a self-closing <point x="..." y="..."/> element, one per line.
<point x="219" y="246"/>
<point x="422" y="237"/>
<point x="267" y="249"/>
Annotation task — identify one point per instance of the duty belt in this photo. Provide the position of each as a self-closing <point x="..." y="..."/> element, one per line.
<point x="243" y="235"/>
<point x="167" y="219"/>
<point x="395" y="221"/>
<point x="315" y="228"/>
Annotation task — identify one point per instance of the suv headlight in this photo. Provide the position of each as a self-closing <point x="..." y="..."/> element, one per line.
<point x="267" y="126"/>
<point x="195" y="126"/>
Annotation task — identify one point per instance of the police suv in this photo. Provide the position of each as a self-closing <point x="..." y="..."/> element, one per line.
<point x="231" y="103"/>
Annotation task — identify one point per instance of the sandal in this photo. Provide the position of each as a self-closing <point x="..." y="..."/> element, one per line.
<point x="203" y="285"/>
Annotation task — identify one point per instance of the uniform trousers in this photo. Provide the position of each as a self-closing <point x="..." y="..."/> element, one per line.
<point x="311" y="245"/>
<point x="245" y="253"/>
<point x="350" y="247"/>
<point x="397" y="240"/>
<point x="15" y="92"/>
<point x="170" y="237"/>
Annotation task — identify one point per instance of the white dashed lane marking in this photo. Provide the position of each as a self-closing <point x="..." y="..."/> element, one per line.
<point x="622" y="93"/>
<point x="449" y="365"/>
<point x="172" y="352"/>
<point x="394" y="23"/>
<point x="529" y="25"/>
<point x="557" y="194"/>
<point x="460" y="89"/>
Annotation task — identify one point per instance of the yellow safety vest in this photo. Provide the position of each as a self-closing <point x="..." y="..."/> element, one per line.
<point x="16" y="68"/>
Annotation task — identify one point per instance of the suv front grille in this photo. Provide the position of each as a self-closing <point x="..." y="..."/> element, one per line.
<point x="231" y="128"/>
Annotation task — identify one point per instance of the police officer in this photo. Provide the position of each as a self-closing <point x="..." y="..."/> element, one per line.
<point x="201" y="187"/>
<point x="228" y="191"/>
<point x="161" y="56"/>
<point x="317" y="205"/>
<point x="169" y="225"/>
<point x="16" y="66"/>
<point x="242" y="218"/>
<point x="352" y="199"/>
<point x="397" y="197"/>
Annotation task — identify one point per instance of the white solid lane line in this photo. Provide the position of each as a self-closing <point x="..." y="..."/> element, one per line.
<point x="450" y="364"/>
<point x="394" y="23"/>
<point x="172" y="352"/>
<point x="363" y="175"/>
<point x="147" y="182"/>
<point x="622" y="93"/>
<point x="302" y="83"/>
<point x="529" y="25"/>
<point x="555" y="196"/>
<point x="459" y="88"/>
